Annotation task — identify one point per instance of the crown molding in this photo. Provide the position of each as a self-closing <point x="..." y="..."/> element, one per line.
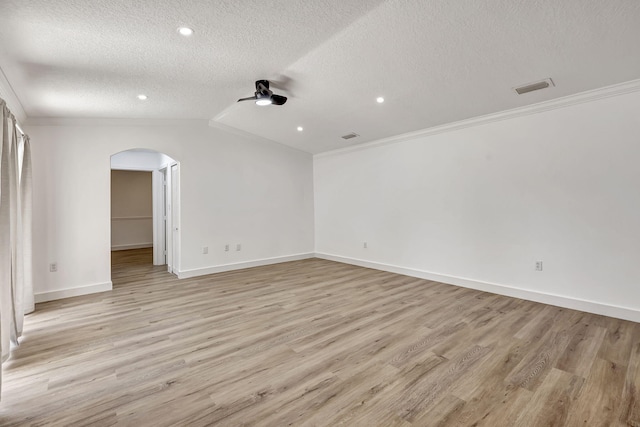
<point x="80" y="121"/>
<point x="13" y="102"/>
<point x="566" y="101"/>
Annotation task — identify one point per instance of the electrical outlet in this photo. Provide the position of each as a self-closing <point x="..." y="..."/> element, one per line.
<point x="205" y="250"/>
<point x="238" y="247"/>
<point x="226" y="247"/>
<point x="364" y="245"/>
<point x="538" y="265"/>
<point x="53" y="267"/>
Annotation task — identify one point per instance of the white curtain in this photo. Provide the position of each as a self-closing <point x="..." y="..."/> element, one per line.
<point x="24" y="251"/>
<point x="16" y="286"/>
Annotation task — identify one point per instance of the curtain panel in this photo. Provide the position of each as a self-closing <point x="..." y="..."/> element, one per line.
<point x="16" y="285"/>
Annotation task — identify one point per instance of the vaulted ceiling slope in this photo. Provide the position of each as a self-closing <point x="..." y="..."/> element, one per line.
<point x="433" y="61"/>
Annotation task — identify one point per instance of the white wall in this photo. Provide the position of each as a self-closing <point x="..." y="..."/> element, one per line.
<point x="479" y="206"/>
<point x="131" y="210"/>
<point x="233" y="190"/>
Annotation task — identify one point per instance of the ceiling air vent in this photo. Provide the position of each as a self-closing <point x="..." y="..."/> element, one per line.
<point x="350" y="135"/>
<point x="534" y="86"/>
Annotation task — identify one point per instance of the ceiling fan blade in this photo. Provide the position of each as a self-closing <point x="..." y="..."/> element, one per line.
<point x="278" y="99"/>
<point x="284" y="83"/>
<point x="251" y="98"/>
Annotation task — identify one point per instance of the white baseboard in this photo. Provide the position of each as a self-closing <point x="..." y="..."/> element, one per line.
<point x="73" y="292"/>
<point x="132" y="246"/>
<point x="185" y="274"/>
<point x="510" y="291"/>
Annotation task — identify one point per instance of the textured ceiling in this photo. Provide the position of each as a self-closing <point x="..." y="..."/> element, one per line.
<point x="435" y="62"/>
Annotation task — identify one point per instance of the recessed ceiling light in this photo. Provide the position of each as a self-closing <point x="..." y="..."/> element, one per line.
<point x="185" y="31"/>
<point x="300" y="128"/>
<point x="379" y="100"/>
<point x="142" y="97"/>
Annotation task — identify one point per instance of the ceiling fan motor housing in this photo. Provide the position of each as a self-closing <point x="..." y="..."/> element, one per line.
<point x="262" y="88"/>
<point x="264" y="96"/>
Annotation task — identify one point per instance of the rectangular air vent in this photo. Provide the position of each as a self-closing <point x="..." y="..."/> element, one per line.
<point x="350" y="135"/>
<point x="534" y="86"/>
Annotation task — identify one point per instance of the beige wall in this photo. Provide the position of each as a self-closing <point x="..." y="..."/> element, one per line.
<point x="131" y="210"/>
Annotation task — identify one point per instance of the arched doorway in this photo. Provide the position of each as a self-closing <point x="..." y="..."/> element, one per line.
<point x="145" y="205"/>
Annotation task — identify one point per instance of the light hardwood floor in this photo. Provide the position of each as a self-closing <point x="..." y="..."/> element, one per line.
<point x="315" y="342"/>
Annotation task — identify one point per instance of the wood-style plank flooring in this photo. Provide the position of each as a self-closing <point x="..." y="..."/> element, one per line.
<point x="315" y="343"/>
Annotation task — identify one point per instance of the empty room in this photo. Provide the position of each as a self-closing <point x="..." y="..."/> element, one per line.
<point x="321" y="213"/>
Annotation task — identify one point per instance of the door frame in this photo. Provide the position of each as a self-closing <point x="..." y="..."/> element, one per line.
<point x="166" y="241"/>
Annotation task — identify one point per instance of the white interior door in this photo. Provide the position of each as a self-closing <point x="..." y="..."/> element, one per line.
<point x="175" y="217"/>
<point x="168" y="223"/>
<point x="165" y="214"/>
<point x="159" y="217"/>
